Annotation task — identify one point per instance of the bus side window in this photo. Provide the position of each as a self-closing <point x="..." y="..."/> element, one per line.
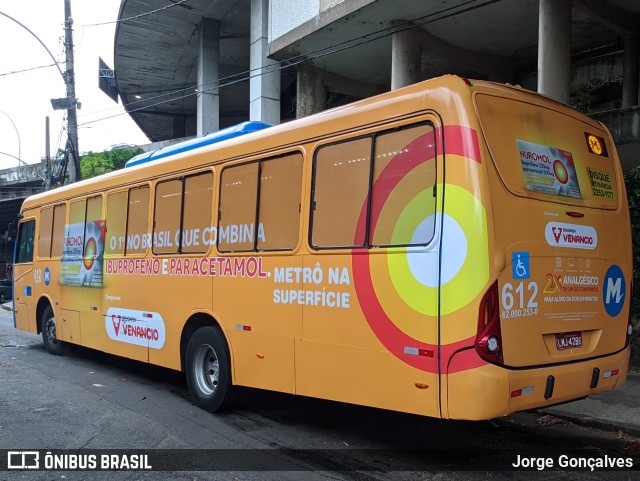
<point x="405" y="159"/>
<point x="116" y="222"/>
<point x="167" y="216"/>
<point x="137" y="220"/>
<point x="93" y="228"/>
<point x="341" y="189"/>
<point x="59" y="221"/>
<point x="238" y="195"/>
<point x="196" y="213"/>
<point x="26" y="235"/>
<point x="279" y="210"/>
<point x="44" y="232"/>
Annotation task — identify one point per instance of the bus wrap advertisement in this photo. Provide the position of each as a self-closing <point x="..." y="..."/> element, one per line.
<point x="82" y="254"/>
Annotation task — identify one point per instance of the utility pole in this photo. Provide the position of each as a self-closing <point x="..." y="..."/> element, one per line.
<point x="72" y="120"/>
<point x="47" y="165"/>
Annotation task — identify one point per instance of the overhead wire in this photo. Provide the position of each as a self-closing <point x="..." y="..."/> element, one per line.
<point x="298" y="59"/>
<point x="27" y="69"/>
<point x="294" y="61"/>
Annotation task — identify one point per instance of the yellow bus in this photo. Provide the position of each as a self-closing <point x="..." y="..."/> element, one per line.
<point x="453" y="249"/>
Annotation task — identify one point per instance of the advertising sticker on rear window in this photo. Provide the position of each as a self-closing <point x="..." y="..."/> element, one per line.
<point x="548" y="170"/>
<point x="601" y="184"/>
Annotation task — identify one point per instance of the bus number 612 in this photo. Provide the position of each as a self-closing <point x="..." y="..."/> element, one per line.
<point x="508" y="297"/>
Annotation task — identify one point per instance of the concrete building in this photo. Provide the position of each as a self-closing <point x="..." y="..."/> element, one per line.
<point x="16" y="184"/>
<point x="202" y="65"/>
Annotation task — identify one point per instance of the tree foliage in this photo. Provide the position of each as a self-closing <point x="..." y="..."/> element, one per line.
<point x="632" y="180"/>
<point x="97" y="163"/>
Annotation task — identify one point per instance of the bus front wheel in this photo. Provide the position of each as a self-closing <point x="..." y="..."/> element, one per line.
<point x="208" y="369"/>
<point x="49" y="333"/>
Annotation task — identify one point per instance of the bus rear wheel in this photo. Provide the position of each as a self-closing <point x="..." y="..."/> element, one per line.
<point x="208" y="369"/>
<point x="49" y="333"/>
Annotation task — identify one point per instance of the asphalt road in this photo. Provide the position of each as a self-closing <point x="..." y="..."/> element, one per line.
<point x="89" y="400"/>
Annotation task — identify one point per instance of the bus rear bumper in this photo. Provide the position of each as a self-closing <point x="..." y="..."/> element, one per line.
<point x="492" y="391"/>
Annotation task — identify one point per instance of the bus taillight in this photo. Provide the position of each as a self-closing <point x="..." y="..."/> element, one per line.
<point x="489" y="338"/>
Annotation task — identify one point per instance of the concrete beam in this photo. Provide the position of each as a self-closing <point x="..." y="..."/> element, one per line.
<point x="554" y="49"/>
<point x="408" y="44"/>
<point x="315" y="83"/>
<point x="496" y="67"/>
<point x="324" y="19"/>
<point x="620" y="21"/>
<point x="208" y="76"/>
<point x="347" y="86"/>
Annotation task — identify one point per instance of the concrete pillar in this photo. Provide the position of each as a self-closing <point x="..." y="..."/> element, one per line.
<point x="264" y="85"/>
<point x="312" y="96"/>
<point x="208" y="76"/>
<point x="631" y="72"/>
<point x="554" y="49"/>
<point x="405" y="58"/>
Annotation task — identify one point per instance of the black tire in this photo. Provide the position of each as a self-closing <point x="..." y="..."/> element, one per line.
<point x="208" y="370"/>
<point x="49" y="334"/>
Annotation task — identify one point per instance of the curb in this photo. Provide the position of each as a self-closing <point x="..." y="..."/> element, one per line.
<point x="594" y="423"/>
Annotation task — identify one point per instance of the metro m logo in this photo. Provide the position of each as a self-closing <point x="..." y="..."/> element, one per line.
<point x="614" y="290"/>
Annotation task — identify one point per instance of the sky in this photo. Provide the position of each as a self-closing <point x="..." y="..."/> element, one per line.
<point x="25" y="97"/>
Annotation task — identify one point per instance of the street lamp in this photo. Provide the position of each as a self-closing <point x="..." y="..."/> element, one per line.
<point x="72" y="102"/>
<point x="17" y="133"/>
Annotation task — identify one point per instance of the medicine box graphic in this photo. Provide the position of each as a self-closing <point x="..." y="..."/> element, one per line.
<point x="548" y="170"/>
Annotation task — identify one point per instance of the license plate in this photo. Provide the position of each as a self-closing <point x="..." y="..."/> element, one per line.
<point x="568" y="340"/>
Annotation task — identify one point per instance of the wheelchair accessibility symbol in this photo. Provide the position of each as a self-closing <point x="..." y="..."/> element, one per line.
<point x="520" y="265"/>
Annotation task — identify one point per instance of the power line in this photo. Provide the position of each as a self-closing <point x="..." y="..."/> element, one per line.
<point x="137" y="16"/>
<point x="28" y="69"/>
<point x="302" y="58"/>
<point x="296" y="60"/>
<point x="40" y="41"/>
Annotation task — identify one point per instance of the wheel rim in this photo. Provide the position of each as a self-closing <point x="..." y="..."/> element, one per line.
<point x="50" y="330"/>
<point x="207" y="369"/>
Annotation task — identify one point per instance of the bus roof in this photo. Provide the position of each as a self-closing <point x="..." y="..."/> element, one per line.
<point x="433" y="95"/>
<point x="192" y="144"/>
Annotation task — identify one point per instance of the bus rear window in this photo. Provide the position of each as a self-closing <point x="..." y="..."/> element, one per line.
<point x="549" y="155"/>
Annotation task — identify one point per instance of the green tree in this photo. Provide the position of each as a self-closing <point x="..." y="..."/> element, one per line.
<point x="98" y="163"/>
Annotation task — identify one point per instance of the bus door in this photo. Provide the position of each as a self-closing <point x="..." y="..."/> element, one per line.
<point x="81" y="274"/>
<point x="370" y="295"/>
<point x="258" y="268"/>
<point x="130" y="284"/>
<point x="23" y="279"/>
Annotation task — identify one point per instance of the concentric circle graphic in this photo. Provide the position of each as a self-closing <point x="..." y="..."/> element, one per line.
<point x="456" y="264"/>
<point x="465" y="266"/>
<point x="560" y="172"/>
<point x="90" y="252"/>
